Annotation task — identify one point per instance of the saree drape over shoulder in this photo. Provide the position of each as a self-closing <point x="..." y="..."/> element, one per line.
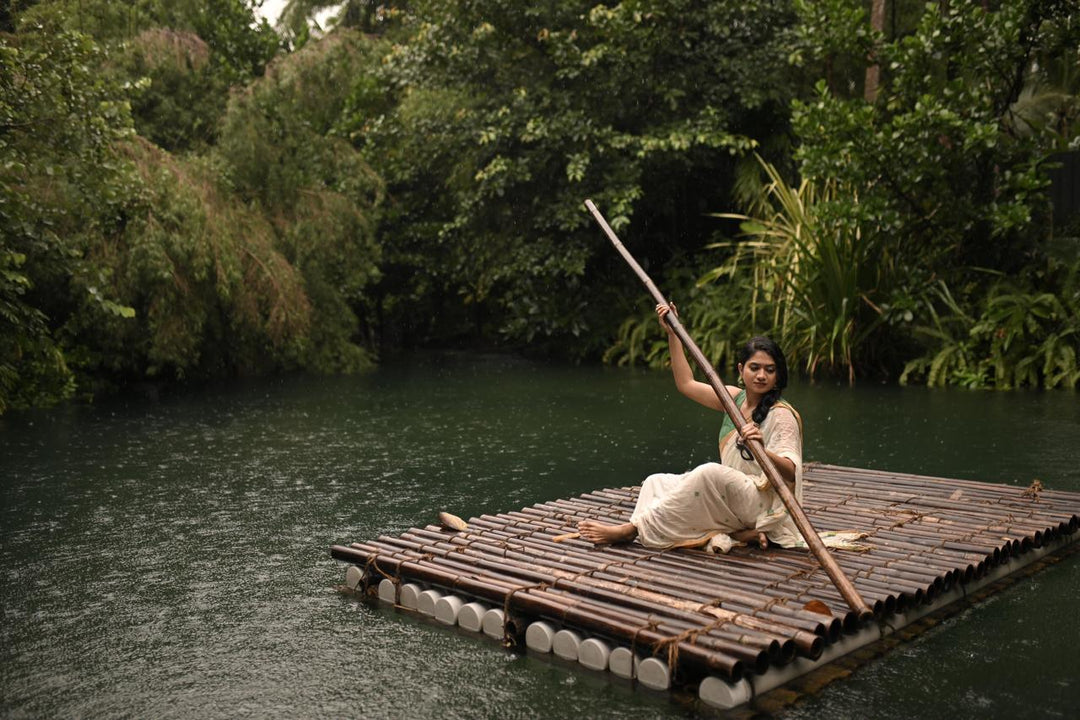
<point x="703" y="506"/>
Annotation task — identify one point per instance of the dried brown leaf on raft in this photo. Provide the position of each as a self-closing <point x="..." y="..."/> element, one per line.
<point x="1033" y="489"/>
<point x="816" y="606"/>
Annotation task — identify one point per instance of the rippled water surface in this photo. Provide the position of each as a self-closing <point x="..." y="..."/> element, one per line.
<point x="169" y="558"/>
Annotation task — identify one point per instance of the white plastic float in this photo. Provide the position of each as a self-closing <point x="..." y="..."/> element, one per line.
<point x="565" y="645"/>
<point x="493" y="623"/>
<point x="593" y="653"/>
<point x="425" y="604"/>
<point x="388" y="591"/>
<point x="409" y="596"/>
<point x="539" y="636"/>
<point x="471" y="616"/>
<point x="353" y="576"/>
<point x="447" y="608"/>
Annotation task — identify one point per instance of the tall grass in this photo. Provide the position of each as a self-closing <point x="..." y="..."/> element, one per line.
<point x="815" y="277"/>
<point x="1021" y="337"/>
<point x="716" y="315"/>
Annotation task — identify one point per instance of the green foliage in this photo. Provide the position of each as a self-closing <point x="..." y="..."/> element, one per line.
<point x="944" y="173"/>
<point x="1023" y="337"/>
<point x="177" y="60"/>
<point x="509" y="116"/>
<point x="32" y="368"/>
<point x="184" y="194"/>
<point x="60" y="185"/>
<point x="1048" y="105"/>
<point x="120" y="261"/>
<point x="298" y="18"/>
<point x="212" y="295"/>
<point x="192" y="53"/>
<point x="176" y="98"/>
<point x="816" y="278"/>
<point x="184" y="62"/>
<point x="936" y="160"/>
<point x="282" y="154"/>
<point x="715" y="313"/>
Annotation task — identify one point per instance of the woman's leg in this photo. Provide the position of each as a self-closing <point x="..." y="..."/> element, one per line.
<point x="602" y="534"/>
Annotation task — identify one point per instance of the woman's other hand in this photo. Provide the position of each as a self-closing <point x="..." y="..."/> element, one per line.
<point x="663" y="310"/>
<point x="750" y="431"/>
<point x="786" y="468"/>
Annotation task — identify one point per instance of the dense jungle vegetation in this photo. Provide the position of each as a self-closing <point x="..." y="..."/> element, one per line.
<point x="188" y="193"/>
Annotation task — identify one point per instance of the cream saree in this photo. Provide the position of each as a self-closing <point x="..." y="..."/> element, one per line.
<point x="703" y="506"/>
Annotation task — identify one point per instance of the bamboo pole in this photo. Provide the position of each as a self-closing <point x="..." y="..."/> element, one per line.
<point x="1012" y="535"/>
<point x="1021" y="533"/>
<point x="977" y="537"/>
<point x="681" y="563"/>
<point x="751" y="651"/>
<point x="943" y="505"/>
<point x="1026" y="523"/>
<point x="1006" y="491"/>
<point x="813" y="540"/>
<point x="980" y="528"/>
<point x="999" y="541"/>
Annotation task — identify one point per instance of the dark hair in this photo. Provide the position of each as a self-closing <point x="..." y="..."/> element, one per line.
<point x="770" y="348"/>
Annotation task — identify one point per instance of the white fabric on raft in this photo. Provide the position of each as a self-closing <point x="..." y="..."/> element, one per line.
<point x="702" y="507"/>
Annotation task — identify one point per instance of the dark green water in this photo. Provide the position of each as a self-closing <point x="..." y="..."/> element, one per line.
<point x="169" y="558"/>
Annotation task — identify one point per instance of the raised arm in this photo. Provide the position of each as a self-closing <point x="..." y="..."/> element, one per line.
<point x="697" y="391"/>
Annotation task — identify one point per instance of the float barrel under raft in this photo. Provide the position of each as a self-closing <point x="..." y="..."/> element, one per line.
<point x="730" y="626"/>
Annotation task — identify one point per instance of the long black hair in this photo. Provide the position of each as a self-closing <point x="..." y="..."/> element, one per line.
<point x="770" y="348"/>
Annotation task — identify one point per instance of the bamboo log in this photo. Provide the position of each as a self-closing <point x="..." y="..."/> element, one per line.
<point x="758" y="656"/>
<point x="666" y="594"/>
<point x="678" y="586"/>
<point x="1018" y="534"/>
<point x="805" y="638"/>
<point x="530" y="600"/>
<point x="1044" y="504"/>
<point x="884" y="600"/>
<point x="716" y="568"/>
<point x="980" y="543"/>
<point x="750" y="594"/>
<point x="936" y="581"/>
<point x="595" y="555"/>
<point x="1006" y="540"/>
<point x="950" y="511"/>
<point x="1008" y="491"/>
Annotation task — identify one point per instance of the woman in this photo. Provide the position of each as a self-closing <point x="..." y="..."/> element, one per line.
<point x="718" y="504"/>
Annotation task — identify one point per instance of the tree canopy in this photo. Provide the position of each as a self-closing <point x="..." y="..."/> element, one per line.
<point x="186" y="192"/>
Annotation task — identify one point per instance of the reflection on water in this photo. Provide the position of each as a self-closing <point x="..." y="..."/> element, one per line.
<point x="169" y="558"/>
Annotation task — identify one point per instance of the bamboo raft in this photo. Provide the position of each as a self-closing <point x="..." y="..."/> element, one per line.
<point x="732" y="626"/>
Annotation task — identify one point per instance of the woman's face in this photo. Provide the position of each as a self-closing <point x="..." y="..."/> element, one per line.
<point x="759" y="373"/>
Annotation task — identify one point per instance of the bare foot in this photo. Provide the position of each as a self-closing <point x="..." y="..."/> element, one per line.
<point x="602" y="534"/>
<point x="750" y="536"/>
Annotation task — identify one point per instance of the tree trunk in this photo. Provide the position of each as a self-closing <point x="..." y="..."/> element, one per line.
<point x="873" y="73"/>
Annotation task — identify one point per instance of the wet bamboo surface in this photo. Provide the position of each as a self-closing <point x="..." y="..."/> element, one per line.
<point x="734" y="614"/>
